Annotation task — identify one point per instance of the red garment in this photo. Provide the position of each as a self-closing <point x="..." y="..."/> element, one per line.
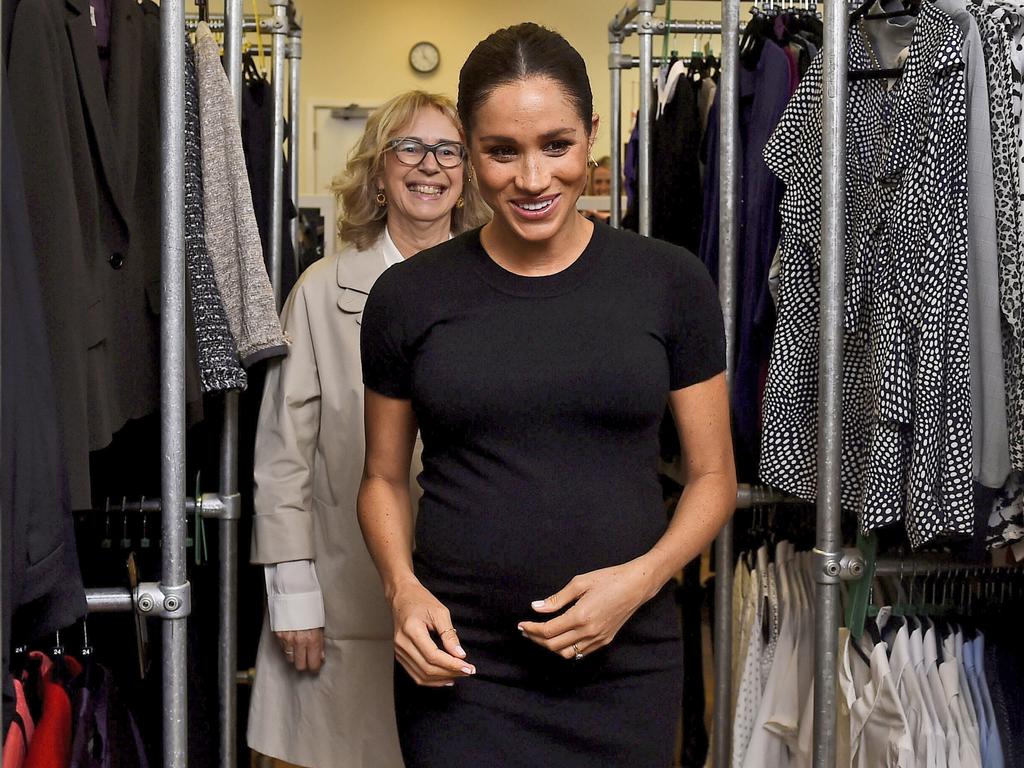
<point x="18" y="736"/>
<point x="51" y="744"/>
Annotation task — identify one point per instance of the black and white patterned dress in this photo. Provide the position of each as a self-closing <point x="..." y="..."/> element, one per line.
<point x="906" y="418"/>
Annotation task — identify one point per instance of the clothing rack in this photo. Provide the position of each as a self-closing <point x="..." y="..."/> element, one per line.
<point x="893" y="567"/>
<point x="170" y="599"/>
<point x="832" y="564"/>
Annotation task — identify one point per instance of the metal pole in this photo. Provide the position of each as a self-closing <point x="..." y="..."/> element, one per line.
<point x="233" y="38"/>
<point x="219" y="26"/>
<point x="109" y="600"/>
<point x="172" y="381"/>
<point x="645" y="26"/>
<point x="615" y="129"/>
<point x="3" y="638"/>
<point x="911" y="568"/>
<point x="227" y="612"/>
<point x="626" y="15"/>
<point x="294" y="138"/>
<point x="280" y="41"/>
<point x="227" y="640"/>
<point x="830" y="375"/>
<point x="728" y="247"/>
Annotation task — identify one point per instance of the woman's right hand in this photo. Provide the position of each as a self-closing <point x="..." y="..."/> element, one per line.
<point x="426" y="642"/>
<point x="304" y="648"/>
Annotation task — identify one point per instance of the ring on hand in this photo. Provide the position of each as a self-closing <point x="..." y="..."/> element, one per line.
<point x="450" y="629"/>
<point x="576" y="650"/>
<point x="289" y="651"/>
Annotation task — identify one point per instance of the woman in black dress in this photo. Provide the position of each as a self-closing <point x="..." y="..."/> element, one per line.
<point x="534" y="623"/>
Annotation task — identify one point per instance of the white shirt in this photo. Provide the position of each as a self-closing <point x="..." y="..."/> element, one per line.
<point x="879" y="734"/>
<point x="930" y="746"/>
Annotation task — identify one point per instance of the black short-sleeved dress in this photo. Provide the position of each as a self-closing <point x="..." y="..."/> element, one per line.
<point x="539" y="400"/>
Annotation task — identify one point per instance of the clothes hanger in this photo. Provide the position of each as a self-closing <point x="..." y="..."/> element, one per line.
<point x="912" y="8"/>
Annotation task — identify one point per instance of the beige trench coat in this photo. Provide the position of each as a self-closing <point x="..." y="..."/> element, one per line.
<point x="309" y="461"/>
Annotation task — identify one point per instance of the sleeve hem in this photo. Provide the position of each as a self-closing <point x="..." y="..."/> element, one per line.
<point x="395" y="393"/>
<point x="695" y="378"/>
<point x="282" y="536"/>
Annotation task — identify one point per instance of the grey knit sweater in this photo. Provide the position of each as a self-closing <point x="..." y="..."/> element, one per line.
<point x="232" y="238"/>
<point x="219" y="368"/>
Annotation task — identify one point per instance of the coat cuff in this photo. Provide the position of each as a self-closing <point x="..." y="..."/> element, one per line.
<point x="281" y="536"/>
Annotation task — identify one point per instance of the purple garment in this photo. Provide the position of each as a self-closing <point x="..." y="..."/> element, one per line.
<point x="106" y="735"/>
<point x="101" y="14"/>
<point x="764" y="93"/>
<point x="794" y="68"/>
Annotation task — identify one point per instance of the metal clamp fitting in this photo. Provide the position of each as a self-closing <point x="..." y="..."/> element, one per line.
<point x="294" y="49"/>
<point x="217" y="507"/>
<point x="620" y="61"/>
<point x="154" y="599"/>
<point x="833" y="567"/>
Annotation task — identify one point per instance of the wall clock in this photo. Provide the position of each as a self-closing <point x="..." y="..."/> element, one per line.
<point x="424" y="57"/>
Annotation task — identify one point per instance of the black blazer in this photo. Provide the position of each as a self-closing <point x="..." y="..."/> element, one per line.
<point x="90" y="157"/>
<point x="41" y="581"/>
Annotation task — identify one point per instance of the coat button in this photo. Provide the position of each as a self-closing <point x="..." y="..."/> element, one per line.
<point x="116" y="260"/>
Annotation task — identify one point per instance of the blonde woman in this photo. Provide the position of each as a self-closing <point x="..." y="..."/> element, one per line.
<point x="323" y="690"/>
<point x="599" y="182"/>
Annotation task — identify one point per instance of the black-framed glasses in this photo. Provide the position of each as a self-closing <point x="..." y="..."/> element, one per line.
<point x="411" y="152"/>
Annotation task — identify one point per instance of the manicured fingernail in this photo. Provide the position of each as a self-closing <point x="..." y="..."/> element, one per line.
<point x="449" y="685"/>
<point x="459" y="651"/>
<point x="538" y="603"/>
<point x="522" y="630"/>
<point x="469" y="670"/>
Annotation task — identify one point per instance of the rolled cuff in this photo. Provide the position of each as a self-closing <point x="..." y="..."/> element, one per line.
<point x="281" y="536"/>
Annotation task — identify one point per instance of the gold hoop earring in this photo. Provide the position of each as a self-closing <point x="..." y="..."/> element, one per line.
<point x="591" y="161"/>
<point x="461" y="202"/>
<point x="382" y="199"/>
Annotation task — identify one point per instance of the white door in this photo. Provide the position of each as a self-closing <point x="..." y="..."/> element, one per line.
<point x="337" y="130"/>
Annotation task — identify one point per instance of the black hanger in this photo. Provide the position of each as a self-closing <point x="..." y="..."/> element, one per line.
<point x="860" y="650"/>
<point x="861" y="11"/>
<point x="249" y="69"/>
<point x="204" y="10"/>
<point x="912" y="8"/>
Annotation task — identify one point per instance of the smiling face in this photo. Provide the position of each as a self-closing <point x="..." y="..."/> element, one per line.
<point x="426" y="192"/>
<point x="529" y="147"/>
<point x="601" y="182"/>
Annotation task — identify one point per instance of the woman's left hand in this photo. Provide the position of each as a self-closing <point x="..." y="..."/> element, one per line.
<point x="602" y="601"/>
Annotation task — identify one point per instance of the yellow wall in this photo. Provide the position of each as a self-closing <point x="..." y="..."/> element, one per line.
<point x="357" y="52"/>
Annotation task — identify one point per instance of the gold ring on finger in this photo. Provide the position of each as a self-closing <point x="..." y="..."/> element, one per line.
<point x="576" y="650"/>
<point x="450" y="629"/>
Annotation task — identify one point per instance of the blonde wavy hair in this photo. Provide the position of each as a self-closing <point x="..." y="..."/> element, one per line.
<point x="361" y="221"/>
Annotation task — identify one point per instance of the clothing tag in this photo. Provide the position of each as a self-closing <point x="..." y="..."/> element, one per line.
<point x="92" y="15"/>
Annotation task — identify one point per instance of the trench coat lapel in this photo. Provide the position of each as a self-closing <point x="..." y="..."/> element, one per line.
<point x="97" y="110"/>
<point x="123" y="92"/>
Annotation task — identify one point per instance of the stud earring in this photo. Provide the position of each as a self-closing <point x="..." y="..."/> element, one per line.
<point x="461" y="202"/>
<point x="382" y="199"/>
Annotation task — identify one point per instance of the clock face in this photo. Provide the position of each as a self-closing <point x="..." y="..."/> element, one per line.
<point x="424" y="57"/>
